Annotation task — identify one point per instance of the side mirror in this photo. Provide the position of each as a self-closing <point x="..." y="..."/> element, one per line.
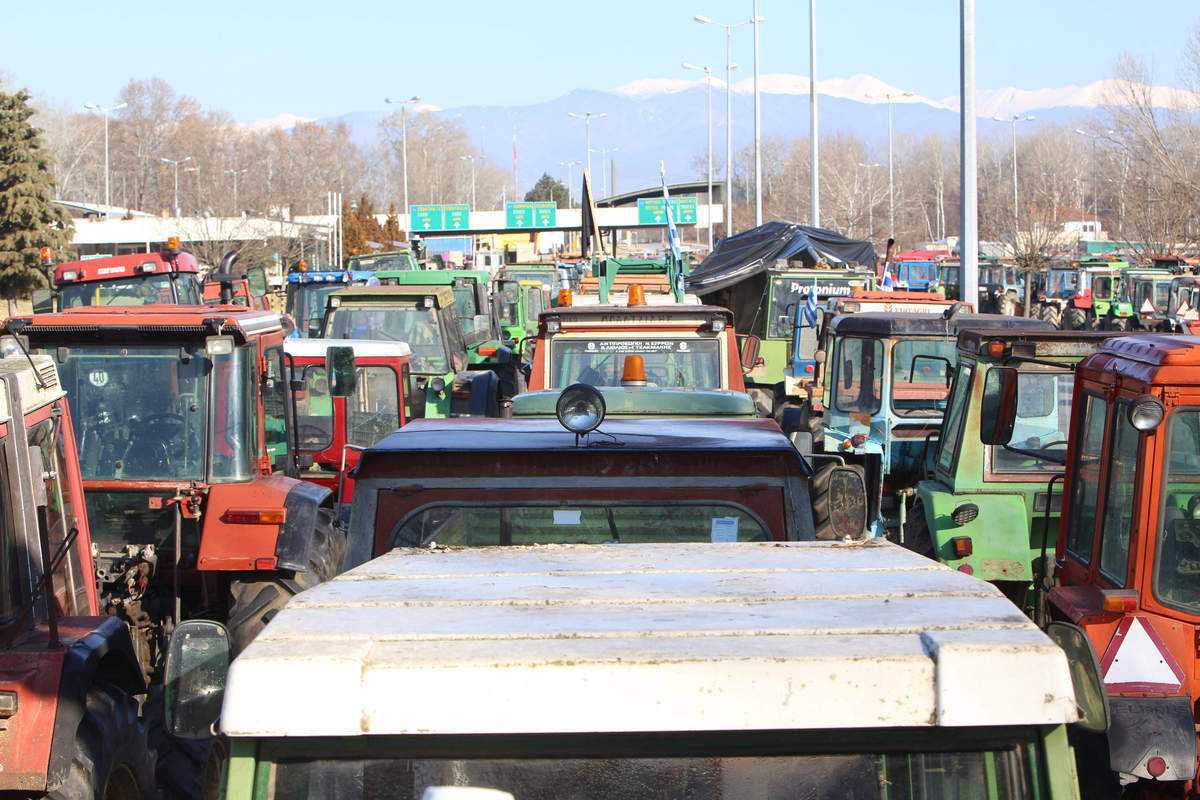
<point x="482" y="322"/>
<point x="43" y="301"/>
<point x="197" y="661"/>
<point x="998" y="411"/>
<point x="314" y="328"/>
<point x="750" y="345"/>
<point x="257" y="278"/>
<point x="839" y="496"/>
<point x="339" y="366"/>
<point x="1090" y="695"/>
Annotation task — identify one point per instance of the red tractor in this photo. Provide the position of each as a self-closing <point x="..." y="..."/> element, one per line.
<point x="70" y="681"/>
<point x="166" y="276"/>
<point x="185" y="418"/>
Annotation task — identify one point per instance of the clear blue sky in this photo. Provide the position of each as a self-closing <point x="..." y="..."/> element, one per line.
<point x="256" y="59"/>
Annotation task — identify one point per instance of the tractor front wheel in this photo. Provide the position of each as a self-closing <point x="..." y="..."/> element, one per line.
<point x="1053" y="315"/>
<point x="255" y="599"/>
<point x="1075" y="319"/>
<point x="916" y="536"/>
<point x="1118" y="323"/>
<point x="112" y="760"/>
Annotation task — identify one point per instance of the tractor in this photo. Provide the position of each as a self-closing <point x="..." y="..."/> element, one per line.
<point x="165" y="276"/>
<point x="185" y="418"/>
<point x="70" y="683"/>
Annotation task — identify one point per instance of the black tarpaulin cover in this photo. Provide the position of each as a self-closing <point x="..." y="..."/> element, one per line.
<point x="736" y="258"/>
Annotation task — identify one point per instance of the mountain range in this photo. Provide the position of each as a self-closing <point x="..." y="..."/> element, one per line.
<point x="663" y="120"/>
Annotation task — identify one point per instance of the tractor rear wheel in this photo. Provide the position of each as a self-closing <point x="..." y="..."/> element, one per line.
<point x="1118" y="323"/>
<point x="820" y="492"/>
<point x="1075" y="319"/>
<point x="187" y="769"/>
<point x="916" y="536"/>
<point x="1053" y="315"/>
<point x="255" y="599"/>
<point x="112" y="760"/>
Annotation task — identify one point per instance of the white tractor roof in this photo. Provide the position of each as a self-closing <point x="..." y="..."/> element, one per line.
<point x="310" y="348"/>
<point x="654" y="637"/>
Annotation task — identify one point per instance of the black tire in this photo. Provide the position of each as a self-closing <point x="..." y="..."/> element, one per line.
<point x="255" y="598"/>
<point x="1053" y="315"/>
<point x="822" y="504"/>
<point x="187" y="769"/>
<point x="1075" y="319"/>
<point x="1118" y="323"/>
<point x="916" y="536"/>
<point x="112" y="759"/>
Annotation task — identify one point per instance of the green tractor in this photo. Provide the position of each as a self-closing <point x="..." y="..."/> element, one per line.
<point x="1097" y="304"/>
<point x="1148" y="292"/>
<point x="515" y="307"/>
<point x="443" y="384"/>
<point x="989" y="508"/>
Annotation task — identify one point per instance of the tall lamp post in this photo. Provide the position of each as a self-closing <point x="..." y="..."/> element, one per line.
<point x="471" y="158"/>
<point x="757" y="127"/>
<point x="729" y="67"/>
<point x="870" y="198"/>
<point x="199" y="203"/>
<point x="891" y="166"/>
<point x="1014" y="119"/>
<point x="814" y="171"/>
<point x="708" y="85"/>
<point x="105" y="110"/>
<point x="586" y="116"/>
<point x="175" y="163"/>
<point x="1095" y="137"/>
<point x="235" y="172"/>
<point x="404" y="104"/>
<point x="570" y="179"/>
<point x="604" y="151"/>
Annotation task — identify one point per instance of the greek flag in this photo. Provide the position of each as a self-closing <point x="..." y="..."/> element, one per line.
<point x="887" y="284"/>
<point x="809" y="312"/>
<point x="672" y="234"/>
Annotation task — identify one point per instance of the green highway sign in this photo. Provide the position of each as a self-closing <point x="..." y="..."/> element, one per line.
<point x="530" y="215"/>
<point x="653" y="211"/>
<point x="439" y="218"/>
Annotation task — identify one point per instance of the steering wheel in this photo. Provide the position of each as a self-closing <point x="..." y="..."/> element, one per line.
<point x="154" y="419"/>
<point x="313" y="431"/>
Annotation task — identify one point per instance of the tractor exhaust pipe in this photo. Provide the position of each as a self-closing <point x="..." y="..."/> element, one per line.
<point x="227" y="262"/>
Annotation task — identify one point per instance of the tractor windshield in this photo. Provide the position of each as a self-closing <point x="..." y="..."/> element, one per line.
<point x="788" y="294"/>
<point x="138" y="290"/>
<point x="394" y="322"/>
<point x="1042" y="423"/>
<point x="1177" y="567"/>
<point x="372" y="412"/>
<point x="921" y="373"/>
<point x="306" y="301"/>
<point x="508" y="308"/>
<point x="140" y="412"/>
<point x="1006" y="772"/>
<point x="1158" y="293"/>
<point x="682" y="363"/>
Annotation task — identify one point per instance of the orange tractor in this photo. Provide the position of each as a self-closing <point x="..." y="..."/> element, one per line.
<point x="1128" y="552"/>
<point x="70" y="682"/>
<point x="185" y="418"/>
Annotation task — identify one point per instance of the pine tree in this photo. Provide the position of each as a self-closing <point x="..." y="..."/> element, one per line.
<point x="548" y="188"/>
<point x="28" y="220"/>
<point x="354" y="240"/>
<point x="391" y="229"/>
<point x="371" y="228"/>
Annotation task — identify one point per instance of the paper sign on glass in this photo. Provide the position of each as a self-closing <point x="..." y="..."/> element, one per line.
<point x="724" y="529"/>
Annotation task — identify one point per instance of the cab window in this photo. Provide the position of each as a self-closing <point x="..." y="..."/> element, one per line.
<point x="857" y="388"/>
<point x="952" y="425"/>
<point x="1085" y="480"/>
<point x="1118" y="500"/>
<point x="374" y="410"/>
<point x="69" y="582"/>
<point x="1177" y="561"/>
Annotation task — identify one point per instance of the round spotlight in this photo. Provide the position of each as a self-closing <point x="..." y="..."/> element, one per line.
<point x="580" y="408"/>
<point x="438" y="385"/>
<point x="1146" y="413"/>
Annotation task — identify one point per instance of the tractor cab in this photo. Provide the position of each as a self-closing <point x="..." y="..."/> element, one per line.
<point x="335" y="427"/>
<point x="248" y="288"/>
<point x="188" y="448"/>
<point x="1128" y="551"/>
<point x="470" y="288"/>
<point x="1053" y="286"/>
<point x="306" y="292"/>
<point x="546" y="275"/>
<point x="516" y="305"/>
<point x="1183" y="305"/>
<point x="886" y="384"/>
<point x="375" y="262"/>
<point x="166" y="276"/>
<point x="1097" y="303"/>
<point x="1148" y="293"/>
<point x="991" y="503"/>
<point x="426" y="319"/>
<point x="680" y="346"/>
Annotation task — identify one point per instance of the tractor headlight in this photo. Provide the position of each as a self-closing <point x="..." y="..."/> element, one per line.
<point x="1146" y="413"/>
<point x="580" y="408"/>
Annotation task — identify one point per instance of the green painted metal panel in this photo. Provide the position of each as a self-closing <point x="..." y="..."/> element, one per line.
<point x="653" y="210"/>
<point x="530" y="215"/>
<point x="439" y="218"/>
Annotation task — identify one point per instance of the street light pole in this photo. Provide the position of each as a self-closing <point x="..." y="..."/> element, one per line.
<point x="471" y="158"/>
<point x="968" y="167"/>
<point x="199" y="203"/>
<point x="815" y="176"/>
<point x="175" y="163"/>
<point x="708" y="84"/>
<point x="105" y="110"/>
<point x="891" y="168"/>
<point x="570" y="179"/>
<point x="404" y="140"/>
<point x="1016" y="214"/>
<point x="870" y="198"/>
<point x="757" y="127"/>
<point x="235" y="173"/>
<point x="586" y="116"/>
<point x="729" y="67"/>
<point x="1095" y="137"/>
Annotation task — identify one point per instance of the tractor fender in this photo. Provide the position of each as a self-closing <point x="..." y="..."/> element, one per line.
<point x="1082" y="300"/>
<point x="999" y="534"/>
<point x="1140" y="728"/>
<point x="104" y="654"/>
<point x="228" y="544"/>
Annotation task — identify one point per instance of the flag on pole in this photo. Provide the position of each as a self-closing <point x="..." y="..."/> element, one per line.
<point x="887" y="284"/>
<point x="672" y="234"/>
<point x="809" y="312"/>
